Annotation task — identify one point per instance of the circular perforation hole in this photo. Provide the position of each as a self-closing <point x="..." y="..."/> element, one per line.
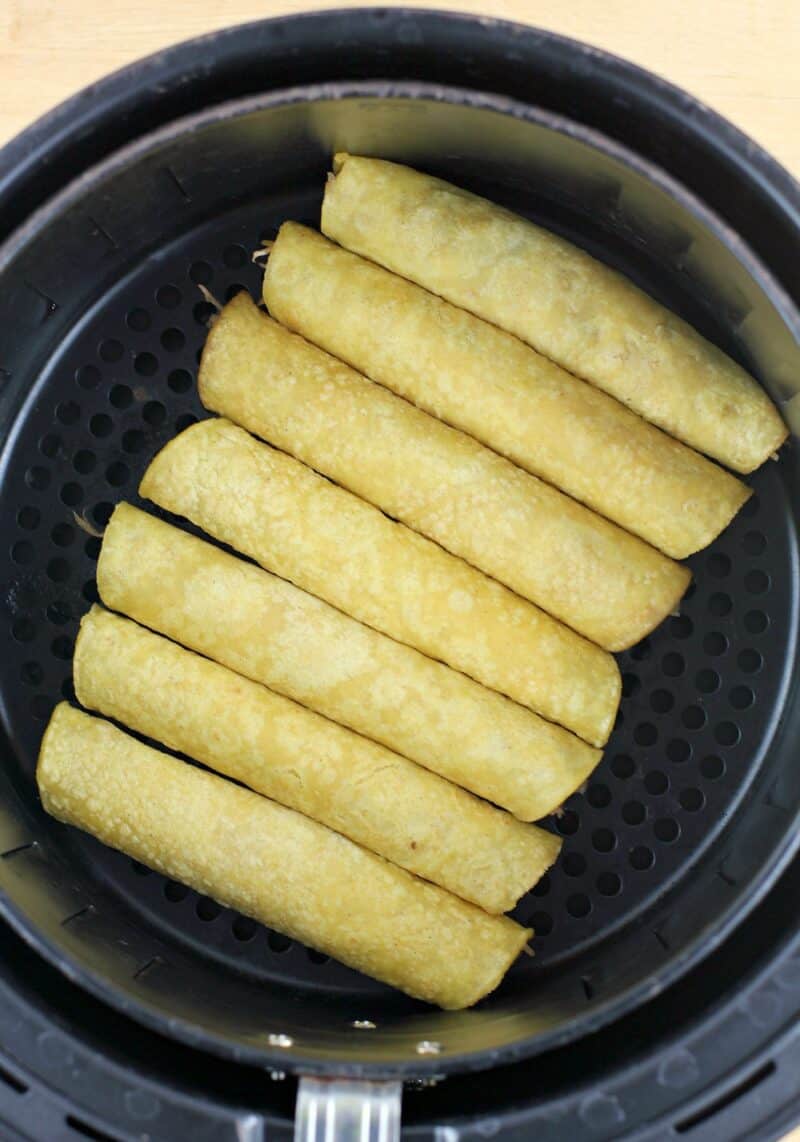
<point x="694" y="718"/>
<point x="712" y="768"/>
<point x="645" y="734"/>
<point x="656" y="782"/>
<point x="719" y="565"/>
<point x="121" y="396"/>
<point x="22" y="552"/>
<point x="101" y="425"/>
<point x="59" y="612"/>
<point x="145" y="364"/>
<point x="641" y="858"/>
<point x="666" y="830"/>
<point x="681" y="627"/>
<point x="173" y="340"/>
<point x="202" y="312"/>
<point x="678" y="751"/>
<point x="278" y="942"/>
<point x="598" y="795"/>
<point x="201" y="273"/>
<point x="84" y="461"/>
<point x="692" y="800"/>
<point x="567" y="822"/>
<point x="88" y="376"/>
<point x="715" y="643"/>
<point x="180" y="380"/>
<point x="641" y="651"/>
<point x="609" y="884"/>
<point x="756" y="622"/>
<point x="708" y="681"/>
<point x="184" y="421"/>
<point x="207" y="909"/>
<point x="749" y="661"/>
<point x="50" y="444"/>
<point x="138" y="320"/>
<point x="243" y="928"/>
<point x="727" y="734"/>
<point x="68" y="412"/>
<point x="661" y="701"/>
<point x="579" y="905"/>
<point x="101" y="512"/>
<point x="37" y="478"/>
<point x="62" y="647"/>
<point x="168" y="296"/>
<point x="175" y="892"/>
<point x="741" y="697"/>
<point x="756" y="582"/>
<point x="90" y="592"/>
<point x="630" y="684"/>
<point x="117" y="474"/>
<point x="29" y="517"/>
<point x="623" y="766"/>
<point x="604" y="840"/>
<point x="633" y="812"/>
<point x="154" y="413"/>
<point x="71" y="494"/>
<point x="542" y="887"/>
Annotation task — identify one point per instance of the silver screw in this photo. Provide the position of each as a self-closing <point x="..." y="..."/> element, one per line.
<point x="280" y="1041"/>
<point x="428" y="1047"/>
<point x="424" y="1084"/>
<point x="363" y="1024"/>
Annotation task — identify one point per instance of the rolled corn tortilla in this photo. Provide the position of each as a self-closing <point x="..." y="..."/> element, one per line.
<point x="570" y="307"/>
<point x="270" y="631"/>
<point x="487" y="383"/>
<point x="271" y="863"/>
<point x="598" y="579"/>
<point x="324" y="539"/>
<point x="295" y="756"/>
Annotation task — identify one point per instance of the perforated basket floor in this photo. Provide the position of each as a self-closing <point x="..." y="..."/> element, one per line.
<point x="700" y="695"/>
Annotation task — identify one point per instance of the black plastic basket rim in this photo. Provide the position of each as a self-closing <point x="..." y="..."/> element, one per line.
<point x="705" y="941"/>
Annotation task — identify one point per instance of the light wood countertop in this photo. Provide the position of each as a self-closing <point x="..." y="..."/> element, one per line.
<point x="742" y="57"/>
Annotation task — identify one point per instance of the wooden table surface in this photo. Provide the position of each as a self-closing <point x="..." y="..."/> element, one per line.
<point x="742" y="57"/>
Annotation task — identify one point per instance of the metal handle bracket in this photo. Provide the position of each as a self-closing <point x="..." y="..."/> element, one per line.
<point x="347" y="1110"/>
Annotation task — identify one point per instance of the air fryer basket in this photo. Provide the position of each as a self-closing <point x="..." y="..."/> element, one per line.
<point x="691" y="815"/>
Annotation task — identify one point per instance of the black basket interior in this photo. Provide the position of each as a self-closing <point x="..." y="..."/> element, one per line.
<point x="692" y="808"/>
